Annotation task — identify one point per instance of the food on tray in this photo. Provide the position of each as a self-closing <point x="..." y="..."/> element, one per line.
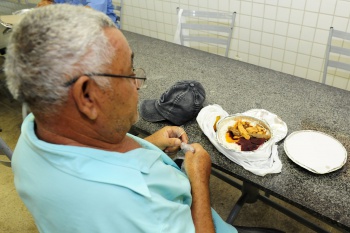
<point x="216" y="121"/>
<point x="242" y="133"/>
<point x="242" y="130"/>
<point x="246" y="130"/>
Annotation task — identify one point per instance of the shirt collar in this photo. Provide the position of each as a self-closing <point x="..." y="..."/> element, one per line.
<point x="123" y="169"/>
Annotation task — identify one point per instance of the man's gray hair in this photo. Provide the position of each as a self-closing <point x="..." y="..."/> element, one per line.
<point x="50" y="46"/>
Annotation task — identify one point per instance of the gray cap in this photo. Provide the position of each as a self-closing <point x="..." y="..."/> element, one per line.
<point x="179" y="104"/>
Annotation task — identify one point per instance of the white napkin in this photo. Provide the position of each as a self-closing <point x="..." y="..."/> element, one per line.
<point x="261" y="162"/>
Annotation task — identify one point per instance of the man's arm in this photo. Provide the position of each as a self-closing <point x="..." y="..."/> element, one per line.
<point x="198" y="168"/>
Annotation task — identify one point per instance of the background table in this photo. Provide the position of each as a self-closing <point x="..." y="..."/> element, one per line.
<point x="8" y="7"/>
<point x="238" y="87"/>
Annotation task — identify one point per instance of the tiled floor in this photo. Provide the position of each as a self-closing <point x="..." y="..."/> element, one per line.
<point x="15" y="218"/>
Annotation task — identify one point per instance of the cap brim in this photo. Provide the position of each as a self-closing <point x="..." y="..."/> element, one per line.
<point x="149" y="112"/>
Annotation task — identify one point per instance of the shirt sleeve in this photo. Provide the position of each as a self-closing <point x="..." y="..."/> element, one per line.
<point x="100" y="5"/>
<point x="104" y="6"/>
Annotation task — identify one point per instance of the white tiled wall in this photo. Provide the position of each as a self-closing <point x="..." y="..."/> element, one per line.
<point x="284" y="35"/>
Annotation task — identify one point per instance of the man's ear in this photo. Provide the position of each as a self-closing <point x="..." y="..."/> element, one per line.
<point x="85" y="97"/>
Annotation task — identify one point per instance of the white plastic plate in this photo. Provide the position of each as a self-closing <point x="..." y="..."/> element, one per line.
<point x="315" y="151"/>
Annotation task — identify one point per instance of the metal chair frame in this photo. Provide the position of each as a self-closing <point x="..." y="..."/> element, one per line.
<point x="119" y="8"/>
<point x="336" y="50"/>
<point x="4" y="149"/>
<point x="208" y="27"/>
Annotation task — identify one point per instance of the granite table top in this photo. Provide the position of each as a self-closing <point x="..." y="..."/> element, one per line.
<point x="238" y="87"/>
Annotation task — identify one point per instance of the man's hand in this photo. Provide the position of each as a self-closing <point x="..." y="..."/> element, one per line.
<point x="198" y="164"/>
<point x="168" y="138"/>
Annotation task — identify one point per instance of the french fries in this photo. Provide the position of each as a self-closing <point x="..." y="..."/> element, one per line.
<point x="242" y="130"/>
<point x="246" y="130"/>
<point x="216" y="121"/>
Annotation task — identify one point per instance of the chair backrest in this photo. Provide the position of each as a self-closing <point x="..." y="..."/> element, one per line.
<point x="207" y="27"/>
<point x="341" y="53"/>
<point x="118" y="10"/>
<point x="4" y="149"/>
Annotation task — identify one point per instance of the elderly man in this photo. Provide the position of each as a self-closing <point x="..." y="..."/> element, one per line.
<point x="76" y="167"/>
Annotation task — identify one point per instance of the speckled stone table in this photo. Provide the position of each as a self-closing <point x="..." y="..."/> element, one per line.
<point x="238" y="87"/>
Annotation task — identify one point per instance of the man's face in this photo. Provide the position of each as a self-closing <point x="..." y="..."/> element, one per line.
<point x="120" y="104"/>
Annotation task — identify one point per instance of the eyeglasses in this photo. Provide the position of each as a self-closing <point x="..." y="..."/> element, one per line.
<point x="140" y="77"/>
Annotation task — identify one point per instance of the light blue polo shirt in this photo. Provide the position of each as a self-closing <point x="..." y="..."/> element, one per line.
<point x="77" y="189"/>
